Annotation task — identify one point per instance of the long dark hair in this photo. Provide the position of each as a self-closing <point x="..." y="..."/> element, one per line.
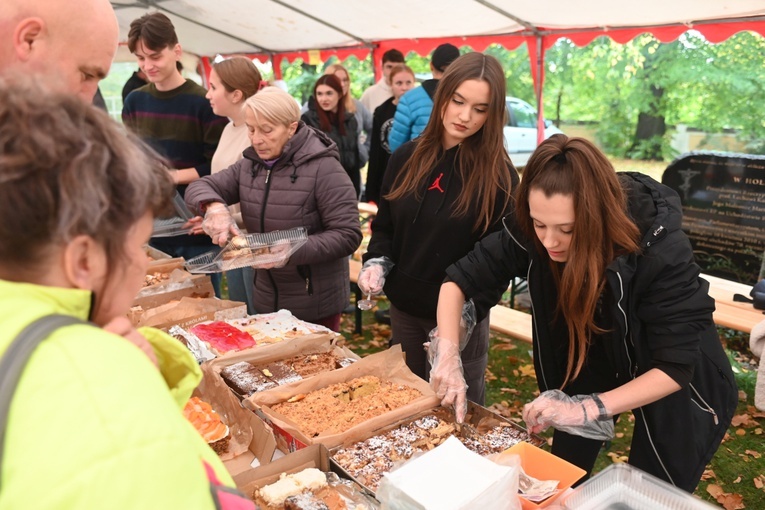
<point x="602" y="230"/>
<point x="329" y="119"/>
<point x="483" y="162"/>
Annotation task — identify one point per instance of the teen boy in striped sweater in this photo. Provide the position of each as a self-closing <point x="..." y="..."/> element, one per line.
<point x="172" y="114"/>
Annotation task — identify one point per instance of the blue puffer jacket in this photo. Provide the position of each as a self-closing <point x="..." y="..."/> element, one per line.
<point x="412" y="114"/>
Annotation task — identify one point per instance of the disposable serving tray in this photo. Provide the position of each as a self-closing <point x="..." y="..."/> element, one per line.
<point x="478" y="418"/>
<point x="250" y="438"/>
<point x="306" y="345"/>
<point x="624" y="487"/>
<point x="253" y="250"/>
<point x="388" y="365"/>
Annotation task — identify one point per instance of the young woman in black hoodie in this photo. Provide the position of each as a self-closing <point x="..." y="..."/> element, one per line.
<point x="622" y="320"/>
<point x="441" y="193"/>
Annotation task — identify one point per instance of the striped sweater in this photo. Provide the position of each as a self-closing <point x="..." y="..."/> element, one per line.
<point x="178" y="123"/>
<point x="181" y="126"/>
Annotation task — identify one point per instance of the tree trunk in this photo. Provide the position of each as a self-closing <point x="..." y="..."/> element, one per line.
<point x="651" y="127"/>
<point x="650" y="130"/>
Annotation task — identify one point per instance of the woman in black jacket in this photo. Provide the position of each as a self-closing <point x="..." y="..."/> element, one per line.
<point x="326" y="112"/>
<point x="622" y="320"/>
<point x="441" y="193"/>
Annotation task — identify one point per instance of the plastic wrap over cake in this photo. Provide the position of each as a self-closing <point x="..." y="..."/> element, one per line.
<point x="260" y="251"/>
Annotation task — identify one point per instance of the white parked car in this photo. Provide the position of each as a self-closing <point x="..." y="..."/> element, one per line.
<point x="521" y="130"/>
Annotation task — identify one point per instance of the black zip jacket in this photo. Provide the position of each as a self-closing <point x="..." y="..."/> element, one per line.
<point x="423" y="237"/>
<point x="660" y="314"/>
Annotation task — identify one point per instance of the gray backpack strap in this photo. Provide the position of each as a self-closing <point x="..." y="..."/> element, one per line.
<point x="15" y="359"/>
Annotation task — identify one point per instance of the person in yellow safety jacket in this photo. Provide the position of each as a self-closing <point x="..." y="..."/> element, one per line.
<point x="95" y="421"/>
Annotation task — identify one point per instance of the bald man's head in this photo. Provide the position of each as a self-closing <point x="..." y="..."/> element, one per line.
<point x="71" y="43"/>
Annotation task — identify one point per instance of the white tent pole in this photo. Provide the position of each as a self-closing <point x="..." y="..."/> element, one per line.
<point x="539" y="86"/>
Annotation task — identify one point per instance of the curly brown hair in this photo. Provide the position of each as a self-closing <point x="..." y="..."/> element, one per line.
<point x="67" y="169"/>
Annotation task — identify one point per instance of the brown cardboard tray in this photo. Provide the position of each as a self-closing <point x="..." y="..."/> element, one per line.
<point x="478" y="419"/>
<point x="305" y="345"/>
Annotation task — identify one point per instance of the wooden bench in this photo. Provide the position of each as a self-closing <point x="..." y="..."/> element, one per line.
<point x="729" y="313"/>
<point x="511" y="322"/>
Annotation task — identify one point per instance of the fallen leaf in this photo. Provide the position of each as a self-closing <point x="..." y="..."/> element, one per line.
<point x="504" y="379"/>
<point x="740" y="432"/>
<point x="737" y="480"/>
<point x="744" y="420"/>
<point x="616" y="458"/>
<point x="759" y="481"/>
<point x="742" y="395"/>
<point x="715" y="490"/>
<point x="753" y="453"/>
<point x="527" y="371"/>
<point x="727" y="500"/>
<point x="510" y="390"/>
<point x="758" y="431"/>
<point x="503" y="347"/>
<point x="708" y="473"/>
<point x="732" y="502"/>
<point x="620" y="435"/>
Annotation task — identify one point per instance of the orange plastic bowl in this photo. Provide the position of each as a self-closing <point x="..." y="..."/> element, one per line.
<point x="543" y="465"/>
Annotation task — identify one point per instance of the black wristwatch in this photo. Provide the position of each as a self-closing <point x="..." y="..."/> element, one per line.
<point x="602" y="411"/>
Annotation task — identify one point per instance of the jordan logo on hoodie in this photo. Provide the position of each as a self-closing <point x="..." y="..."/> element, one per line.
<point x="437" y="183"/>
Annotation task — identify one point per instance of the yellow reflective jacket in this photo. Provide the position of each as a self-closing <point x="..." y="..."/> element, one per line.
<point x="93" y="424"/>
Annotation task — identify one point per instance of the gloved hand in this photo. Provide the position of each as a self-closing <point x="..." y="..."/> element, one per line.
<point x="372" y="275"/>
<point x="576" y="415"/>
<point x="219" y="224"/>
<point x="446" y="375"/>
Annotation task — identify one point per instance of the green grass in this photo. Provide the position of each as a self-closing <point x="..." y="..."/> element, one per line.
<point x="511" y="383"/>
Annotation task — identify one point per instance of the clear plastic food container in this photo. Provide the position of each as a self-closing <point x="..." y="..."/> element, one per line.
<point x="170" y="227"/>
<point x="251" y="250"/>
<point x="624" y="487"/>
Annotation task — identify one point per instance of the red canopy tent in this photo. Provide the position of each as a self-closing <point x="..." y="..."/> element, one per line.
<point x="274" y="30"/>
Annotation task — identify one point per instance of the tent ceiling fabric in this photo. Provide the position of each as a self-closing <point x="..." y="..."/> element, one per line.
<point x="209" y="27"/>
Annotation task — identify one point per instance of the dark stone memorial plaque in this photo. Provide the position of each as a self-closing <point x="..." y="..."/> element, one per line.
<point x="723" y="198"/>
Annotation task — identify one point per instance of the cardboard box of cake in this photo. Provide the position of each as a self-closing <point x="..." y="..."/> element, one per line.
<point x="186" y="312"/>
<point x="209" y="340"/>
<point x="374" y="392"/>
<point x="366" y="458"/>
<point x="158" y="257"/>
<point x="167" y="280"/>
<point x="301" y="480"/>
<point x="236" y="434"/>
<point x="261" y="368"/>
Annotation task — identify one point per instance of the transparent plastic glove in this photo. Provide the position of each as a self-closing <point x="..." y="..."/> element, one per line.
<point x="576" y="415"/>
<point x="372" y="275"/>
<point x="446" y="375"/>
<point x="219" y="224"/>
<point x="468" y="321"/>
<point x="279" y="252"/>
